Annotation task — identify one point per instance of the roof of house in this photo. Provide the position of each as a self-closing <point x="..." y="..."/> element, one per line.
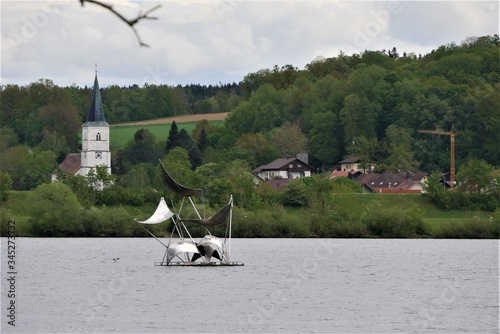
<point x="345" y="173"/>
<point x="279" y="164"/>
<point x="396" y="191"/>
<point x="390" y="180"/>
<point x="71" y="164"/>
<point x="337" y="173"/>
<point x="350" y="160"/>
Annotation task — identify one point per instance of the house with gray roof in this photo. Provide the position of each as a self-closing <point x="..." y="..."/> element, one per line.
<point x="283" y="168"/>
<point x="281" y="171"/>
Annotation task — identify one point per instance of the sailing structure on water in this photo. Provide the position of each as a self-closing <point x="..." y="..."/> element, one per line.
<point x="185" y="250"/>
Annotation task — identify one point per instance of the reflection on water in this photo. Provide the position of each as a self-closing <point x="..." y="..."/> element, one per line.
<point x="286" y="285"/>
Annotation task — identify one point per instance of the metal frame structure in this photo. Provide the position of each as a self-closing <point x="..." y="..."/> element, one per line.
<point x="185" y="250"/>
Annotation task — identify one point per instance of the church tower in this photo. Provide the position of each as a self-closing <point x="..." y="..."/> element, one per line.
<point x="95" y="135"/>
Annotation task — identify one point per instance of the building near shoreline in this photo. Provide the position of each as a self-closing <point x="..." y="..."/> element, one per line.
<point x="95" y="141"/>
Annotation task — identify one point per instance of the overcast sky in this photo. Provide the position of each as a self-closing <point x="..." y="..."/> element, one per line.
<point x="208" y="42"/>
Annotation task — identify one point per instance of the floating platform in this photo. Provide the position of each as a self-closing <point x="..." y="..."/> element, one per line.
<point x="200" y="264"/>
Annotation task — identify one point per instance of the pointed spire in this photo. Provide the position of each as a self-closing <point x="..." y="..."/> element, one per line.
<point x="96" y="111"/>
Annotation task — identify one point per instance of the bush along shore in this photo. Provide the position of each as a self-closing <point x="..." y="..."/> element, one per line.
<point x="54" y="211"/>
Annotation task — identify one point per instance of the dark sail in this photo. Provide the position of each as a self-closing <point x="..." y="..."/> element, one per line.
<point x="177" y="188"/>
<point x="219" y="218"/>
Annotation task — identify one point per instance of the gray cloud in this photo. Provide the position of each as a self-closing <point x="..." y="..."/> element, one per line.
<point x="207" y="42"/>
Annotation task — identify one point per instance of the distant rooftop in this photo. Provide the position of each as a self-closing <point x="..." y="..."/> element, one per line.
<point x="350" y="160"/>
<point x="72" y="163"/>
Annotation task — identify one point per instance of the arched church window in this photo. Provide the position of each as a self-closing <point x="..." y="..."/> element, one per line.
<point x="98" y="136"/>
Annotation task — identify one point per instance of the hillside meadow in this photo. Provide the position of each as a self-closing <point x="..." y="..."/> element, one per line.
<point x="120" y="135"/>
<point x="353" y="216"/>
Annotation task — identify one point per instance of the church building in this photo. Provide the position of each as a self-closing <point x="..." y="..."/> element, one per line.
<point x="95" y="141"/>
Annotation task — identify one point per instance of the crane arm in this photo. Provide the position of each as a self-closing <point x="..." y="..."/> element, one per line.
<point x="437" y="132"/>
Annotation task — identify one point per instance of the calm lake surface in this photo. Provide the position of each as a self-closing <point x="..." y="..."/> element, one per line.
<point x="286" y="286"/>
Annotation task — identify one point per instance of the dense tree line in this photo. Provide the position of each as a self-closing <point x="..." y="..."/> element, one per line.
<point x="373" y="104"/>
<point x="370" y="105"/>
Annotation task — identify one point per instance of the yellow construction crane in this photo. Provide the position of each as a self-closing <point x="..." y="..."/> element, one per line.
<point x="452" y="148"/>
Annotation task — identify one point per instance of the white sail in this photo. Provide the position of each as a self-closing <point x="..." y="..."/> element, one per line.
<point x="212" y="246"/>
<point x="161" y="214"/>
<point x="176" y="248"/>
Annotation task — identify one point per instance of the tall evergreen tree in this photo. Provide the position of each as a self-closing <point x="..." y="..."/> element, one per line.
<point x="142" y="148"/>
<point x="173" y="138"/>
<point x="203" y="141"/>
<point x="185" y="141"/>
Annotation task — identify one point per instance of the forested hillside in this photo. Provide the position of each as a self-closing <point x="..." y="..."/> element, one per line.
<point x="370" y="105"/>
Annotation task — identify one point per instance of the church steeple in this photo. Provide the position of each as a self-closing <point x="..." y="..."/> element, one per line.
<point x="95" y="136"/>
<point x="96" y="111"/>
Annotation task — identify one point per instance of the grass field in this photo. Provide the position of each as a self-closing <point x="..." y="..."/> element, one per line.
<point x="121" y="134"/>
<point x="428" y="210"/>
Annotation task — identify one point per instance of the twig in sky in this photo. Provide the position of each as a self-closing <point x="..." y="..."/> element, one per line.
<point x="130" y="23"/>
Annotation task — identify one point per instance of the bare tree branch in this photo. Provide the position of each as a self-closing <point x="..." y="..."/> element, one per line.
<point x="130" y="23"/>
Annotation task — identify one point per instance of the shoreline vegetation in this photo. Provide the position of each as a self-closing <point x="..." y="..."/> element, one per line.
<point x="346" y="216"/>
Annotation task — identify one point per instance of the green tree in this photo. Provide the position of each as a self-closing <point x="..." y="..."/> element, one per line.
<point x="367" y="150"/>
<point x="222" y="137"/>
<point x="55" y="211"/>
<point x="28" y="168"/>
<point x="344" y="185"/>
<point x="5" y="185"/>
<point x="51" y="141"/>
<point x="289" y="140"/>
<point x="477" y="176"/>
<point x="137" y="178"/>
<point x="194" y="153"/>
<point x="200" y="134"/>
<point x="358" y="117"/>
<point x="62" y="121"/>
<point x="13" y="161"/>
<point x="8" y="138"/>
<point x="98" y="178"/>
<point x="296" y="194"/>
<point x="203" y="140"/>
<point x="399" y="150"/>
<point x="483" y="123"/>
<point x="11" y="101"/>
<point x="432" y="188"/>
<point x="264" y="111"/>
<point x="256" y="148"/>
<point x="209" y="171"/>
<point x="117" y="222"/>
<point x="335" y="66"/>
<point x="178" y="165"/>
<point x="394" y="222"/>
<point x="217" y="191"/>
<point x="173" y="137"/>
<point x="79" y="186"/>
<point x="324" y="144"/>
<point x="142" y="149"/>
<point x="327" y="94"/>
<point x="39" y="168"/>
<point x="242" y="181"/>
<point x="252" y="81"/>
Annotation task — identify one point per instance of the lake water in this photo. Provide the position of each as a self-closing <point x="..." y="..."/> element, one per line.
<point x="286" y="286"/>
